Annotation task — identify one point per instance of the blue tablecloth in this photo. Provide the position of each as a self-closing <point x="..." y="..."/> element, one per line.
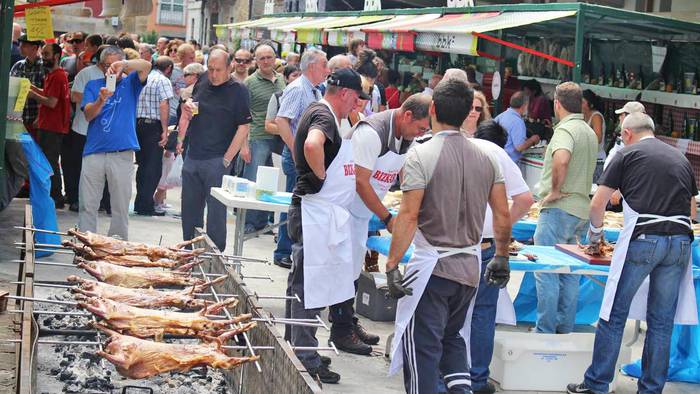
<point x="524" y="230"/>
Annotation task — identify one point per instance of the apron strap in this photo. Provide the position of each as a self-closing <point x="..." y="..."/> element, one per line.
<point x="680" y="219"/>
<point x="473" y="250"/>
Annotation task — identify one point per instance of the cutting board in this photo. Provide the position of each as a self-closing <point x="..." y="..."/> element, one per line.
<point x="574" y="251"/>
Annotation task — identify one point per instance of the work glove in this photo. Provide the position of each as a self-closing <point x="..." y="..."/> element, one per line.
<point x="308" y="183"/>
<point x="595" y="235"/>
<point x="398" y="286"/>
<point x="497" y="272"/>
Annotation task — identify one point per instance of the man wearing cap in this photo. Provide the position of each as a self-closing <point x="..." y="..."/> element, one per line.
<point x="379" y="145"/>
<point x="322" y="271"/>
<point x="630" y="107"/>
<point x="32" y="68"/>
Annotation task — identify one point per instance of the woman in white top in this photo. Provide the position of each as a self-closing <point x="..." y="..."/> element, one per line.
<point x="590" y="105"/>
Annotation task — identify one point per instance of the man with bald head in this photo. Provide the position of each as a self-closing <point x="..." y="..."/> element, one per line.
<point x="216" y="134"/>
<point x="261" y="85"/>
<point x="336" y="63"/>
<point x="242" y="60"/>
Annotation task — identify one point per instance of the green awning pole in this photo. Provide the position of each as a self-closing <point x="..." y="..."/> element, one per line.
<point x="6" y="14"/>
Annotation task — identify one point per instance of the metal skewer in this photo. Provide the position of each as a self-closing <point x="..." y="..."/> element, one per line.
<point x="61" y="251"/>
<point x="270" y="297"/>
<point x="267" y="277"/>
<point x="42" y="300"/>
<point x="38" y="230"/>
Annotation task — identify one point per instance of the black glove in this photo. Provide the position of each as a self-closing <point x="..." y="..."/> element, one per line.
<point x="395" y="282"/>
<point x="308" y="183"/>
<point x="497" y="272"/>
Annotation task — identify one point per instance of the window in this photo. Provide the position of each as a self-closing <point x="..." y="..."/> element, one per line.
<point x="171" y="12"/>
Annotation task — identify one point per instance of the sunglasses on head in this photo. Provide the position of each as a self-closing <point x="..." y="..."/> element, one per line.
<point x="242" y="61"/>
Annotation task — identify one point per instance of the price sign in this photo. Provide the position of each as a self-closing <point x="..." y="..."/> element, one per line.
<point x="461" y="43"/>
<point x="24" y="86"/>
<point x="39" y="23"/>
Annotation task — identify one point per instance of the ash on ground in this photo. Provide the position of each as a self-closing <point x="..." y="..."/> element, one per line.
<point x="77" y="369"/>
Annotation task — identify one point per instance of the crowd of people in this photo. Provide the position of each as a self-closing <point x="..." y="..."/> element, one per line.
<point x="346" y="130"/>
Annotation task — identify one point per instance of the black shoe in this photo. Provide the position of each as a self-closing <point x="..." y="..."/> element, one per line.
<point x="324" y="374"/>
<point x="152" y="213"/>
<point x="366" y="337"/>
<point x="60" y="204"/>
<point x="352" y="344"/>
<point x="574" y="388"/>
<point x="74" y="207"/>
<point x="489" y="388"/>
<point x="284" y="262"/>
<point x="325" y="360"/>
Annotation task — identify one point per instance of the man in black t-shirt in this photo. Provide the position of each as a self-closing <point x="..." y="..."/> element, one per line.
<point x="658" y="186"/>
<point x="322" y="195"/>
<point x="216" y="132"/>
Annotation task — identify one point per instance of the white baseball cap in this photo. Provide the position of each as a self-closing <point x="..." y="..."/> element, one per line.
<point x="631" y="107"/>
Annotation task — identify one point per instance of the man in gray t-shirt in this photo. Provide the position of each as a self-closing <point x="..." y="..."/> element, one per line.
<point x="446" y="185"/>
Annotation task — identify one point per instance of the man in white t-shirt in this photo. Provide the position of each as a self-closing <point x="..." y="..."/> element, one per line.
<point x="491" y="137"/>
<point x="379" y="144"/>
<point x="73" y="143"/>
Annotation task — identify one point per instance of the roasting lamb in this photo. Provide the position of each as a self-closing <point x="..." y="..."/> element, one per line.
<point x="99" y="246"/>
<point x="136" y="277"/>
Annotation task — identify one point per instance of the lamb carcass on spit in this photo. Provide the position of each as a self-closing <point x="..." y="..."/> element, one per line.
<point x="136" y="277"/>
<point x="129" y="260"/>
<point x="138" y="359"/>
<point x="99" y="246"/>
<point x="147" y="323"/>
<point x="144" y="298"/>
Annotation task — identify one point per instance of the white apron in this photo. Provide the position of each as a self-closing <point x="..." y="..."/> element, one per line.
<point x="686" y="310"/>
<point x="424" y="258"/>
<point x="386" y="169"/>
<point x="325" y="219"/>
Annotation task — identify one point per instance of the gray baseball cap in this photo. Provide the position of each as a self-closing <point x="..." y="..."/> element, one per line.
<point x="631" y="107"/>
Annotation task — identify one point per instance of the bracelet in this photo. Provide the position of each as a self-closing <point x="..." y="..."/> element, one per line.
<point x="594" y="229"/>
<point x="387" y="219"/>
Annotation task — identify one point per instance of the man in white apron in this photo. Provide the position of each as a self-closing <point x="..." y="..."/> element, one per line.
<point x="446" y="186"/>
<point x="379" y="145"/>
<point x="492" y="137"/>
<point x="322" y="267"/>
<point x="650" y="275"/>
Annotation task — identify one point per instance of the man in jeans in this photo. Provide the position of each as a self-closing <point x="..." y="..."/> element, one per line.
<point x="54" y="115"/>
<point x="216" y="134"/>
<point x="295" y="99"/>
<point x="152" y="117"/>
<point x="564" y="191"/>
<point x="111" y="140"/>
<point x="261" y="85"/>
<point x="659" y="187"/>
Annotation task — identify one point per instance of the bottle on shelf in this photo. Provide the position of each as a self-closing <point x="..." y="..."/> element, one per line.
<point x="640" y="79"/>
<point x="601" y="75"/>
<point x="675" y="133"/>
<point x="694" y="85"/>
<point x="686" y="126"/>
<point x="696" y="129"/>
<point x="622" y="81"/>
<point x="611" y="79"/>
<point x="693" y="132"/>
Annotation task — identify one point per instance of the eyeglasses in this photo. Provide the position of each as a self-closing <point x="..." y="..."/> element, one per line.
<point x="76" y="41"/>
<point x="242" y="61"/>
<point x="477" y="109"/>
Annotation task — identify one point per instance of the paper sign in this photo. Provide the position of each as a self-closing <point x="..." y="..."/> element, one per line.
<point x="39" y="23"/>
<point x="24" y="86"/>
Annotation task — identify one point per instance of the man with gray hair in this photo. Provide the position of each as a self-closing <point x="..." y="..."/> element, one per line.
<point x="111" y="140"/>
<point x="512" y="120"/>
<point x="379" y="143"/>
<point x="296" y="97"/>
<point x="292" y="58"/>
<point x="659" y="188"/>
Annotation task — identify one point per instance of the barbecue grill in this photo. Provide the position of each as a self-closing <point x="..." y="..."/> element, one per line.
<point x="56" y="347"/>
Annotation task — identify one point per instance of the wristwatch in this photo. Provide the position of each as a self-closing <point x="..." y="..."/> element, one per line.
<point x="387" y="219"/>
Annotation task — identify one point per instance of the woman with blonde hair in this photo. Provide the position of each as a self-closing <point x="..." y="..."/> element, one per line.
<point x="478" y="114"/>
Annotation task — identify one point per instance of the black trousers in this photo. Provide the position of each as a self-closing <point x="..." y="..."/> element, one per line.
<point x="50" y="143"/>
<point x="150" y="164"/>
<point x="342" y="317"/>
<point x="71" y="164"/>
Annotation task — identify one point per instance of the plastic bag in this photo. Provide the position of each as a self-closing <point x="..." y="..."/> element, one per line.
<point x="175" y="176"/>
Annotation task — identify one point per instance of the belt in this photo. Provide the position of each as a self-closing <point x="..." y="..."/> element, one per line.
<point x="147" y="121"/>
<point x="119" y="151"/>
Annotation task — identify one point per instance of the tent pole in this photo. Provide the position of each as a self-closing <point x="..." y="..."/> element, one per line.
<point x="5" y="51"/>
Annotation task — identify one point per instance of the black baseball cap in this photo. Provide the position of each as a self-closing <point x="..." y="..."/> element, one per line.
<point x="25" y="38"/>
<point x="347" y="78"/>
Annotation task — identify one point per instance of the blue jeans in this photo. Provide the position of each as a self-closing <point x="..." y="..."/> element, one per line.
<point x="664" y="259"/>
<point x="483" y="326"/>
<point x="284" y="244"/>
<point x="261" y="155"/>
<point x="557" y="294"/>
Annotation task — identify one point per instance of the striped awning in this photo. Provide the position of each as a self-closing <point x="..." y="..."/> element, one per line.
<point x="254" y="29"/>
<point x="287" y="32"/>
<point x="396" y="33"/>
<point x="314" y="34"/>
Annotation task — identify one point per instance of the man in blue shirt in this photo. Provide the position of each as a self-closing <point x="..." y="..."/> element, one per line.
<point x="111" y="140"/>
<point x="512" y="121"/>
